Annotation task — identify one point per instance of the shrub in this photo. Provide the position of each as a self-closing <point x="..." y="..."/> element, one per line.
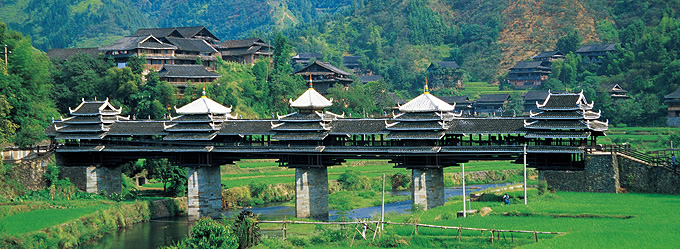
<point x="246" y="230"/>
<point x="399" y="180"/>
<point x="352" y="180"/>
<point x="208" y="233"/>
<point x="388" y="240"/>
<point x="542" y="187"/>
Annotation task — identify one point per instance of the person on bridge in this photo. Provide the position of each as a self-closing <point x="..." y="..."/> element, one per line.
<point x="506" y="199"/>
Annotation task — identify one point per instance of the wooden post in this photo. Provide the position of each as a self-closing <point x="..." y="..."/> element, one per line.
<point x="535" y="236"/>
<point x="284" y="231"/>
<point x="494" y="227"/>
<point x="416" y="228"/>
<point x="458" y="234"/>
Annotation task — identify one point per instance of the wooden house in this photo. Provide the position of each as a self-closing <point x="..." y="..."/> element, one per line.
<point x="324" y="76"/>
<point x="196" y="32"/>
<point x="182" y="75"/>
<point x="531" y="98"/>
<point x="673" y="102"/>
<point x="157" y="53"/>
<point x="245" y="50"/>
<point x="445" y="74"/>
<point x="462" y="103"/>
<point x="491" y="104"/>
<point x="548" y="56"/>
<point x="616" y="92"/>
<point x="526" y="74"/>
<point x="189" y="50"/>
<point x="593" y="52"/>
<point x="303" y="59"/>
<point x="352" y="63"/>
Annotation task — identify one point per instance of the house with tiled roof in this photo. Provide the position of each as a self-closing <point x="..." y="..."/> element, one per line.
<point x="531" y="99"/>
<point x="303" y="59"/>
<point x="673" y="102"/>
<point x="593" y="52"/>
<point x="529" y="73"/>
<point x="352" y="62"/>
<point x="198" y="32"/>
<point x="156" y="52"/>
<point x="548" y="56"/>
<point x="324" y="76"/>
<point x="445" y="74"/>
<point x="616" y="92"/>
<point x="463" y="104"/>
<point x="182" y="75"/>
<point x="245" y="50"/>
<point x="491" y="104"/>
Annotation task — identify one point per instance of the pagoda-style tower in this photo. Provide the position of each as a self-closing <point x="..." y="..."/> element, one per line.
<point x="419" y="127"/>
<point x="308" y="127"/>
<point x="86" y="126"/>
<point x="199" y="120"/>
<point x="89" y="121"/>
<point x="564" y="119"/>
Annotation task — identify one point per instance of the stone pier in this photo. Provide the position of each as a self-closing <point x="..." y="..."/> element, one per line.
<point x="204" y="195"/>
<point x="94" y="179"/>
<point x="311" y="193"/>
<point x="428" y="187"/>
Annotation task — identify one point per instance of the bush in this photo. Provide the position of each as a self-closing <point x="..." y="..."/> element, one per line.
<point x="247" y="230"/>
<point x="208" y="233"/>
<point x="352" y="181"/>
<point x="388" y="240"/>
<point x="542" y="187"/>
<point x="399" y="180"/>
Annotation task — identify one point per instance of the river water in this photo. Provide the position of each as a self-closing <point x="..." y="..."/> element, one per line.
<point x="167" y="231"/>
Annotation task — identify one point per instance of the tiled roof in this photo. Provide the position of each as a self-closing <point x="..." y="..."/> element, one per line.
<point x="186" y="136"/>
<point x="412" y="126"/>
<point x="350" y="60"/>
<point x="421" y="116"/>
<point x="311" y="99"/>
<point x="565" y="101"/>
<point x="463" y="100"/>
<point x="89" y="108"/>
<point x="241" y="51"/>
<point x="86" y="136"/>
<point x="558" y="134"/>
<point x="501" y="97"/>
<point x="604" y="47"/>
<point x="299" y="126"/>
<point x="533" y="96"/>
<point x="186" y="71"/>
<point x="157" y="32"/>
<point x="565" y="115"/>
<point x="196" y="118"/>
<point x="674" y="95"/>
<point x="68" y="53"/>
<point x="203" y="105"/>
<point x="486" y="126"/>
<point x="325" y="65"/>
<point x="426" y="103"/>
<point x="81" y="128"/>
<point x="133" y="42"/>
<point x="530" y="65"/>
<point x="307" y="56"/>
<point x="192" y="44"/>
<point x="548" y="54"/>
<point x="82" y="120"/>
<point x="136" y="128"/>
<point x="358" y="126"/>
<point x="243" y="43"/>
<point x="191" y="127"/>
<point x="192" y="31"/>
<point x="292" y="136"/>
<point x="444" y="64"/>
<point x="557" y="124"/>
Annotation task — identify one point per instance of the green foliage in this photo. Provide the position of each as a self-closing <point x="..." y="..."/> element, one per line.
<point x="208" y="233"/>
<point x="569" y="42"/>
<point x="399" y="180"/>
<point x="247" y="230"/>
<point x="352" y="180"/>
<point x="173" y="177"/>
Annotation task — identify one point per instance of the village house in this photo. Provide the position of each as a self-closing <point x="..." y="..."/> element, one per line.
<point x="526" y="74"/>
<point x="462" y="103"/>
<point x="491" y="104"/>
<point x="445" y="74"/>
<point x="303" y="59"/>
<point x="156" y="52"/>
<point x="245" y="50"/>
<point x="530" y="100"/>
<point x="182" y="75"/>
<point x="673" y="102"/>
<point x="616" y="92"/>
<point x="548" y="56"/>
<point x="593" y="52"/>
<point x="324" y="76"/>
<point x="352" y="63"/>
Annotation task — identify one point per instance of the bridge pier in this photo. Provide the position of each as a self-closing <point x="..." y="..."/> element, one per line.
<point x="204" y="193"/>
<point x="428" y="187"/>
<point x="94" y="179"/>
<point x="311" y="193"/>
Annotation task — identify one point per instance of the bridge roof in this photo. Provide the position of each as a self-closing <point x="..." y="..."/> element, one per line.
<point x="311" y="99"/>
<point x="486" y="126"/>
<point x="203" y="105"/>
<point x="426" y="102"/>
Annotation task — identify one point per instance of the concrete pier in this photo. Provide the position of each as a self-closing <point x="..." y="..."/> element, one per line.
<point x="204" y="195"/>
<point x="94" y="179"/>
<point x="428" y="187"/>
<point x="311" y="193"/>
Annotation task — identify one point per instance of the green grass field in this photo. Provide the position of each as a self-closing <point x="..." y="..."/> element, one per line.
<point x="40" y="219"/>
<point x="640" y="138"/>
<point x="589" y="220"/>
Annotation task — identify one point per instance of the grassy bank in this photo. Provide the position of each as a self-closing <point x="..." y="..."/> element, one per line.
<point x="589" y="220"/>
<point x="70" y="223"/>
<point x="641" y="138"/>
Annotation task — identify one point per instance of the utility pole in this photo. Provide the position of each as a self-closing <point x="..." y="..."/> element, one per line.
<point x="6" y="52"/>
<point x="525" y="174"/>
<point x="464" y="197"/>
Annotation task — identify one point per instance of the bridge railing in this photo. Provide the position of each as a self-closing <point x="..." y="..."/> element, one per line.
<point x="659" y="158"/>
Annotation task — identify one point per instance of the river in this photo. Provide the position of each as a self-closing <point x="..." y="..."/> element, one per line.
<point x="165" y="232"/>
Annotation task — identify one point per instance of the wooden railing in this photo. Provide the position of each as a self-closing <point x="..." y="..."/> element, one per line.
<point x="659" y="158"/>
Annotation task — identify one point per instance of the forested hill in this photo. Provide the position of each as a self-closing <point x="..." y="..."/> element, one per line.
<point x="90" y="23"/>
